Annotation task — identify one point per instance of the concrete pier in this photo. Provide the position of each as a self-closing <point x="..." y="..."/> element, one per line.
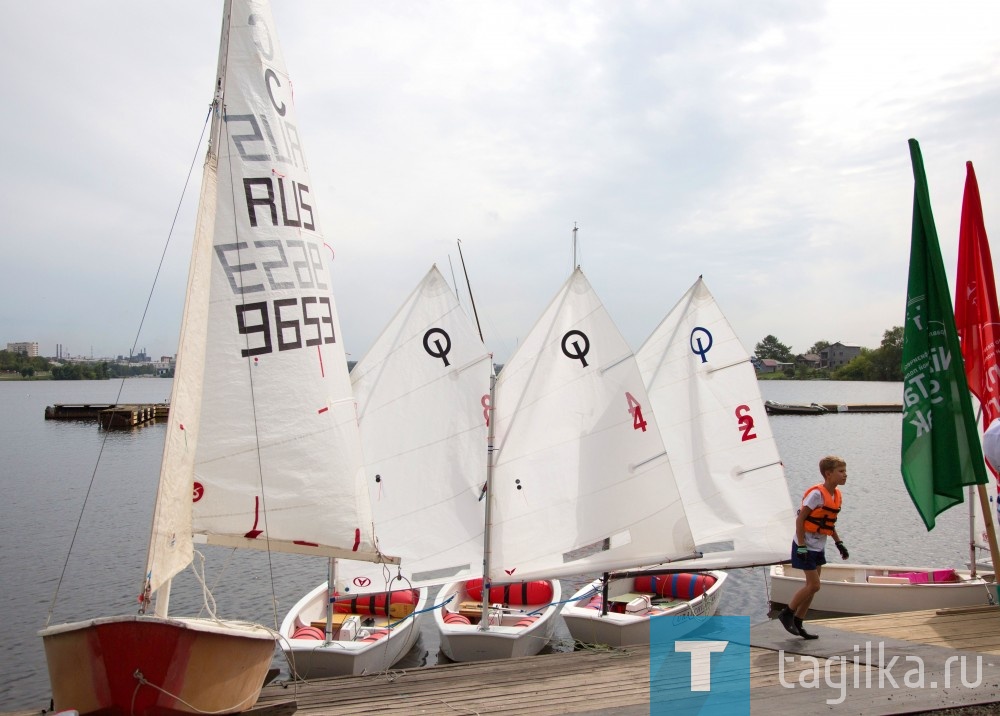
<point x="109" y="415"/>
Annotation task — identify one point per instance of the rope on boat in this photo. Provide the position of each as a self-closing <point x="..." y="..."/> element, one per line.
<point x="143" y="682"/>
<point x="542" y="608"/>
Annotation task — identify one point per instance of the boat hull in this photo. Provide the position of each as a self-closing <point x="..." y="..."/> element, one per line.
<point x="186" y="665"/>
<point x="586" y="624"/>
<point x="872" y="589"/>
<point x="773" y="408"/>
<point x="467" y="642"/>
<point x="314" y="659"/>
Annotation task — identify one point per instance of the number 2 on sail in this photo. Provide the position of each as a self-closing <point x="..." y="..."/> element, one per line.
<point x="635" y="410"/>
<point x="745" y="422"/>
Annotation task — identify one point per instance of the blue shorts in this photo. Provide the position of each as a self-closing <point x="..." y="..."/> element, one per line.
<point x="811" y="561"/>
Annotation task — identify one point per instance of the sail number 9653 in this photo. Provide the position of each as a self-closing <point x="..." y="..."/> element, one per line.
<point x="288" y="323"/>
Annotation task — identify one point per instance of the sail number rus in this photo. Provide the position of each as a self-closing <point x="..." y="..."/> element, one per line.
<point x="278" y="265"/>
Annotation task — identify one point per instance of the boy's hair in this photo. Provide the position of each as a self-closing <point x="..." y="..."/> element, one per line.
<point x="830" y="462"/>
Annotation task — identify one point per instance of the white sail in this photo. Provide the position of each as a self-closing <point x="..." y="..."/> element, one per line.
<point x="262" y="435"/>
<point x="580" y="461"/>
<point x="704" y="393"/>
<point x="421" y="392"/>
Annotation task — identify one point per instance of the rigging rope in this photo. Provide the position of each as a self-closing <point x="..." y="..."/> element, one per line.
<point x="121" y="387"/>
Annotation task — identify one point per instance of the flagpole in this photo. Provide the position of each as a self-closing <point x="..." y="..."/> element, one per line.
<point x="991" y="533"/>
<point x="972" y="534"/>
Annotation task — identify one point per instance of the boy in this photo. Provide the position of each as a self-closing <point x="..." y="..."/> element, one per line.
<point x="816" y="521"/>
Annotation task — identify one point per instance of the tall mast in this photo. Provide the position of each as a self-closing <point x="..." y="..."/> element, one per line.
<point x="575" y="264"/>
<point x="484" y="621"/>
<point x="471" y="297"/>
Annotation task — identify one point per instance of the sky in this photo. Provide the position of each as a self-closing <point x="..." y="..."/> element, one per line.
<point x="762" y="145"/>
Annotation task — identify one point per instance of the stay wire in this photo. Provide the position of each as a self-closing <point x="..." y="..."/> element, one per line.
<point x="121" y="387"/>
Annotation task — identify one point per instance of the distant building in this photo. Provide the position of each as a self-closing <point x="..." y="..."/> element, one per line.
<point x="29" y="349"/>
<point x="809" y="360"/>
<point x="838" y="354"/>
<point x="164" y="366"/>
<point x="771" y="365"/>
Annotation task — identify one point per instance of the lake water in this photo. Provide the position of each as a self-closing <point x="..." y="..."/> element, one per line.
<point x="47" y="470"/>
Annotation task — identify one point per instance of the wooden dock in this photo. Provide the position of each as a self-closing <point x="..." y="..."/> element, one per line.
<point x="616" y="681"/>
<point x="109" y="415"/>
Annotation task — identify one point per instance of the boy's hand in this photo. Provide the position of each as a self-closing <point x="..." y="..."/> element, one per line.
<point x="844" y="554"/>
<point x="802" y="550"/>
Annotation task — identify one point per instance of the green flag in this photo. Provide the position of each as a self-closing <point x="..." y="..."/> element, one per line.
<point x="941" y="450"/>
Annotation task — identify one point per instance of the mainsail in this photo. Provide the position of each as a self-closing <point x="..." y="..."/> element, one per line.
<point x="581" y="480"/>
<point x="262" y="433"/>
<point x="421" y="392"/>
<point x="704" y="392"/>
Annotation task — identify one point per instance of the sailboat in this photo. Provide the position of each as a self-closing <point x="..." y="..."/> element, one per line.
<point x="703" y="391"/>
<point x="262" y="448"/>
<point x="420" y="391"/>
<point x="569" y="432"/>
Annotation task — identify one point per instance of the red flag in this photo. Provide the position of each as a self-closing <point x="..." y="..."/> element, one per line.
<point x="976" y="316"/>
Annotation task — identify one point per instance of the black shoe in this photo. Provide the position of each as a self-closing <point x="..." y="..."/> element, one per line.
<point x="802" y="630"/>
<point x="787" y="619"/>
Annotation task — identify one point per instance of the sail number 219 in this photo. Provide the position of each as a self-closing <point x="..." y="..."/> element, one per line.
<point x="297" y="322"/>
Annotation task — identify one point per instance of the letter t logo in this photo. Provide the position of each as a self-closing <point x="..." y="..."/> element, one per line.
<point x="701" y="661"/>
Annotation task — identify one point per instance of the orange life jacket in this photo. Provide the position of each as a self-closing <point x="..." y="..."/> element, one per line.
<point x="823" y="518"/>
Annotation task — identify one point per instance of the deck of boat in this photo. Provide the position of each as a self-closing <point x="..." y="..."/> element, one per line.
<point x="617" y="681"/>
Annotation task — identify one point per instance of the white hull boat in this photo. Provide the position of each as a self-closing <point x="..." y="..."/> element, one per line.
<point x="873" y="589"/>
<point x="633" y="601"/>
<point x="366" y="641"/>
<point x="515" y="629"/>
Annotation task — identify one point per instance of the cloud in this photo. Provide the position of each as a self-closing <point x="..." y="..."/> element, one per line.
<point x="763" y="146"/>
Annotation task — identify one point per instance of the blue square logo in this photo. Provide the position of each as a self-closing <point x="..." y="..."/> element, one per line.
<point x="699" y="665"/>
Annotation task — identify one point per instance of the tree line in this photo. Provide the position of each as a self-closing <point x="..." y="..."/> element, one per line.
<point x="882" y="363"/>
<point x="25" y="367"/>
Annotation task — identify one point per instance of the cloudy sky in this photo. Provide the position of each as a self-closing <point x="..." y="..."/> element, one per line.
<point x="763" y="145"/>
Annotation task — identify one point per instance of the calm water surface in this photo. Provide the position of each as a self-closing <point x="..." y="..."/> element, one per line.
<point x="46" y="471"/>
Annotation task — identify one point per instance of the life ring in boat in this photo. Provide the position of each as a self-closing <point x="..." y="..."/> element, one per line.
<point x="308" y="632"/>
<point x="455" y="618"/>
<point x="520" y="594"/>
<point x="375" y="604"/>
<point x="682" y="585"/>
<point x="374" y="636"/>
